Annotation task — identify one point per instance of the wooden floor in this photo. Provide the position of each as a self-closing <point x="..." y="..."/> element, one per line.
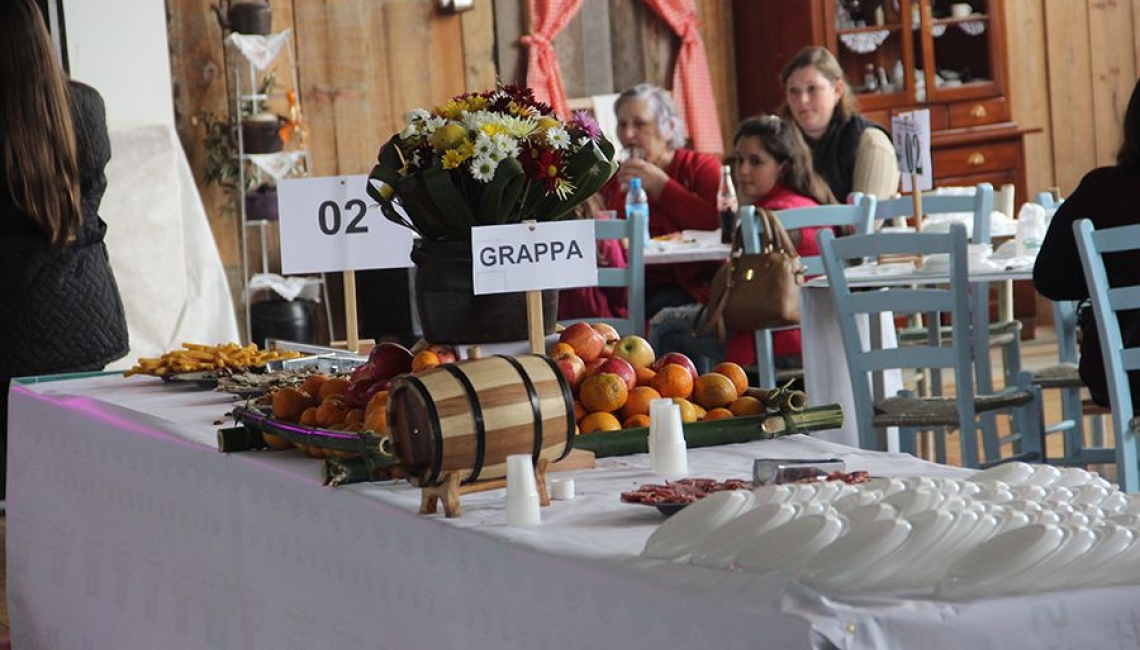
<point x="1035" y="354"/>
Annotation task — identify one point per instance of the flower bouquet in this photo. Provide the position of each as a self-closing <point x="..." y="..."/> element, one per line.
<point x="488" y="158"/>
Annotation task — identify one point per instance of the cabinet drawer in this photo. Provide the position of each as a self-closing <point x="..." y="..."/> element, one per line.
<point x="976" y="113"/>
<point x="964" y="160"/>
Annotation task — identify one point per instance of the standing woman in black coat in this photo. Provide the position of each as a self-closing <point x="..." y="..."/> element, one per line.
<point x="60" y="309"/>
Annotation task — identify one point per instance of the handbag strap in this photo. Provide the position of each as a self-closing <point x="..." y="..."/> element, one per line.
<point x="776" y="238"/>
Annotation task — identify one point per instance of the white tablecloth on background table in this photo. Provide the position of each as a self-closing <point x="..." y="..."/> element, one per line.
<point x="127" y="529"/>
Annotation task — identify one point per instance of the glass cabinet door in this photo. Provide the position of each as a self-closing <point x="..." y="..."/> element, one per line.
<point x="873" y="44"/>
<point x="958" y="44"/>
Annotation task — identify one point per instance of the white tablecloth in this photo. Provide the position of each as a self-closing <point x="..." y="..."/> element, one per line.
<point x="126" y="529"/>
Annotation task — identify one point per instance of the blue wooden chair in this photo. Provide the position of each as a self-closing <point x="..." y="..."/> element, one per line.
<point x="858" y="217"/>
<point x="911" y="413"/>
<point x="635" y="232"/>
<point x="1119" y="361"/>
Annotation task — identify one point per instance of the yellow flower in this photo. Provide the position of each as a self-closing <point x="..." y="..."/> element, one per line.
<point x="455" y="158"/>
<point x="547" y="122"/>
<point x="493" y="128"/>
<point x="521" y="110"/>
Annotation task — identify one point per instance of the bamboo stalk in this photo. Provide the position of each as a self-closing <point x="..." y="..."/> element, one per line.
<point x="375" y="449"/>
<point x="717" y="432"/>
<point x="780" y="399"/>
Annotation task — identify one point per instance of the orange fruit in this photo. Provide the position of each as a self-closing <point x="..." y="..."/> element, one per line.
<point x="746" y="406"/>
<point x="734" y="372"/>
<point x="276" y="442"/>
<point x="332" y="386"/>
<point x="331" y="411"/>
<point x="635" y="421"/>
<point x="289" y="403"/>
<point x="312" y="384"/>
<point x="673" y="380"/>
<point x="604" y="391"/>
<point x="376" y="413"/>
<point x="599" y="421"/>
<point x="579" y="411"/>
<point x="355" y="416"/>
<point x="688" y="409"/>
<point x="713" y="389"/>
<point x="378" y="400"/>
<point x="425" y="360"/>
<point x="719" y="413"/>
<point x="309" y="416"/>
<point x="559" y="350"/>
<point x="638" y="401"/>
<point x="643" y="375"/>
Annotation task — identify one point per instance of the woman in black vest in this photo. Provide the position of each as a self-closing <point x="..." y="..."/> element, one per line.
<point x="62" y="311"/>
<point x="850" y="152"/>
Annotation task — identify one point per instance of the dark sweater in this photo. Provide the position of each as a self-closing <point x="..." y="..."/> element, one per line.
<point x="1109" y="196"/>
<point x="62" y="309"/>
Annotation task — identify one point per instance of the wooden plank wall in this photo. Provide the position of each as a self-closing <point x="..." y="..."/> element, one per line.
<point x="1073" y="65"/>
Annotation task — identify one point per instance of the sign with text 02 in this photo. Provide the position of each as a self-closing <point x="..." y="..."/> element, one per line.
<point x="330" y="223"/>
<point x="911" y="134"/>
<point x="534" y="256"/>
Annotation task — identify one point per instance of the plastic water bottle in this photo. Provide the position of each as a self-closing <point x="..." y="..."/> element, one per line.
<point x="636" y="200"/>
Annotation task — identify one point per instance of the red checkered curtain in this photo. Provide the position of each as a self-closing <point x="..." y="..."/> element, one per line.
<point x="547" y="18"/>
<point x="692" y="85"/>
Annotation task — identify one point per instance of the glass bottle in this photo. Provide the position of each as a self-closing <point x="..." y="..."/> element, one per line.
<point x="726" y="204"/>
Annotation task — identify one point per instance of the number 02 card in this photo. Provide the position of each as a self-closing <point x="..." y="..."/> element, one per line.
<point x="331" y="224"/>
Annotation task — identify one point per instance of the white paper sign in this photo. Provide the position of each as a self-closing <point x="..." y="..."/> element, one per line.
<point x="331" y="224"/>
<point x="911" y="134"/>
<point x="530" y="257"/>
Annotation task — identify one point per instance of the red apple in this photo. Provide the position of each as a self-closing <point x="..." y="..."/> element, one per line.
<point x="586" y="341"/>
<point x="679" y="359"/>
<point x="573" y="369"/>
<point x="636" y="350"/>
<point x="593" y="365"/>
<point x="446" y="353"/>
<point x="617" y="366"/>
<point x="390" y="359"/>
<point x="356" y="395"/>
<point x="611" y="336"/>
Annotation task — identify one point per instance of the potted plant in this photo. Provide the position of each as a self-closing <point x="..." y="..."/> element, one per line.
<point x="495" y="157"/>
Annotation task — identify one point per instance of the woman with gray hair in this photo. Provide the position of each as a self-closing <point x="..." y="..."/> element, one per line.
<point x="681" y="184"/>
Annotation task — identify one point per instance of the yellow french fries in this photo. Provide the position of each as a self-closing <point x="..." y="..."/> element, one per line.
<point x="195" y="357"/>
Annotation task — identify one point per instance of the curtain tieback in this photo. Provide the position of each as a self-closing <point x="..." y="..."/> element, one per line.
<point x="530" y="40"/>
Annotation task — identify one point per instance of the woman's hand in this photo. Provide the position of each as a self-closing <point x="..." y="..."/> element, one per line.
<point x="653" y="178"/>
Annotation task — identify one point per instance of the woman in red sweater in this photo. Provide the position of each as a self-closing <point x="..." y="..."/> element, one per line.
<point x="681" y="184"/>
<point x="773" y="170"/>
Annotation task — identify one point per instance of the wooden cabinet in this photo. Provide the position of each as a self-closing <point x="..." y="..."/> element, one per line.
<point x="899" y="55"/>
<point x="947" y="56"/>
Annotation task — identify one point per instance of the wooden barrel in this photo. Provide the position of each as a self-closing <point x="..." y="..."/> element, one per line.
<point x="469" y="416"/>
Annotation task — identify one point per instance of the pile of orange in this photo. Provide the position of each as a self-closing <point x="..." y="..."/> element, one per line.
<point x="603" y="402"/>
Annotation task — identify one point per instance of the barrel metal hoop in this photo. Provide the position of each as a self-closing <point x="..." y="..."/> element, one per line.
<point x="568" y="398"/>
<point x="535" y="405"/>
<point x="477" y="415"/>
<point x="436" y="427"/>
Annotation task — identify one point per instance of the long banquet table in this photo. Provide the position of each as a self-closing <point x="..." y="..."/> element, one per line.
<point x="127" y="529"/>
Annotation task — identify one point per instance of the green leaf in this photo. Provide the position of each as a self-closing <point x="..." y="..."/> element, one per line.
<point x="451" y="204"/>
<point x="497" y="205"/>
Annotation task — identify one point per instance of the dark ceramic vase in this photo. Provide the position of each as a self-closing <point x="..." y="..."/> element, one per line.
<point x="449" y="310"/>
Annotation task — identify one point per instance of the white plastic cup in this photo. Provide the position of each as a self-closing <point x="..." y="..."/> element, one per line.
<point x="670" y="455"/>
<point x="961" y="10"/>
<point x="655" y="421"/>
<point x="522" y="492"/>
<point x="562" y="489"/>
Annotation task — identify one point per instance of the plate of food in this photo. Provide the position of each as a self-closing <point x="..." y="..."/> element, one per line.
<point x="671" y="496"/>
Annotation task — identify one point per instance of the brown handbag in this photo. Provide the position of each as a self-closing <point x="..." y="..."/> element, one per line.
<point x="754" y="291"/>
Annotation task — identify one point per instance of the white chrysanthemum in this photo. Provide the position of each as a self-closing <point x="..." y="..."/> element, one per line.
<point x="483" y="169"/>
<point x="564" y="188"/>
<point x="506" y="145"/>
<point x="558" y="138"/>
<point x="484" y="145"/>
<point x="515" y="127"/>
<point x="433" y="123"/>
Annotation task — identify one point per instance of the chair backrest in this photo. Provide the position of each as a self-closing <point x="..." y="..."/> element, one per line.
<point x="980" y="204"/>
<point x="634" y="232"/>
<point x="933" y="300"/>
<point x="859" y="217"/>
<point x="1119" y="360"/>
<point x="1064" y="311"/>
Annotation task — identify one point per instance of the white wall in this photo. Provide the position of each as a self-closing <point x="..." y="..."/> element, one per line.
<point x="119" y="47"/>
